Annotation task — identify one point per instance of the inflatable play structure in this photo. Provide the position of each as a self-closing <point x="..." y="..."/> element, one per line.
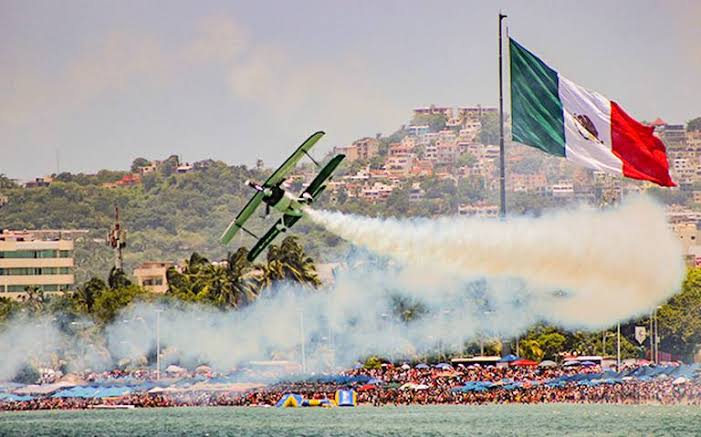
<point x="343" y="398"/>
<point x="346" y="398"/>
<point x="290" y="400"/>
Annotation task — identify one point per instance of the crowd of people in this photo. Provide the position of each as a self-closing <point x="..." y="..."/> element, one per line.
<point x="406" y="385"/>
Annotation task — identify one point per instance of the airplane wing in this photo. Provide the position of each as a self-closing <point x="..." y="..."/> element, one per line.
<point x="279" y="174"/>
<point x="317" y="185"/>
<point x="270" y="235"/>
<point x="240" y="219"/>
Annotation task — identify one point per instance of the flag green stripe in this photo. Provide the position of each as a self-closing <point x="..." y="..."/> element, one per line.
<point x="536" y="109"/>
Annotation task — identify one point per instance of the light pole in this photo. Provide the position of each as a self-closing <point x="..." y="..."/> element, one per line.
<point x="158" y="344"/>
<point x="301" y="340"/>
<point x="657" y="339"/>
<point x="603" y="341"/>
<point x="618" y="347"/>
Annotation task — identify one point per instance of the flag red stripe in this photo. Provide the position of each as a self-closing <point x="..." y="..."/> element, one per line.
<point x="644" y="155"/>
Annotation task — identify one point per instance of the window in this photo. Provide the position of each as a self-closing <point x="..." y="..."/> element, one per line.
<point x="48" y="253"/>
<point x="33" y="271"/>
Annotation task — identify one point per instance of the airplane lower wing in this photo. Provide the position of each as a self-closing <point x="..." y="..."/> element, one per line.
<point x="317" y="185"/>
<point x="240" y="219"/>
<point x="269" y="236"/>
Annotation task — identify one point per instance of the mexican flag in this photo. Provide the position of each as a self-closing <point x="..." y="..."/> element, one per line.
<point x="556" y="115"/>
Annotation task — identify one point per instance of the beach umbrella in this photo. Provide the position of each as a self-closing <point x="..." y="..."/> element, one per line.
<point x="547" y="363"/>
<point x="175" y="369"/>
<point x="524" y="363"/>
<point x="203" y="369"/>
<point x="422" y="366"/>
<point x="680" y="380"/>
<point x="509" y="358"/>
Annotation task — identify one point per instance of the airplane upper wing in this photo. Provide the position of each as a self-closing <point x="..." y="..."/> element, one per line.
<point x="317" y="185"/>
<point x="279" y="174"/>
<point x="270" y="235"/>
<point x="240" y="219"/>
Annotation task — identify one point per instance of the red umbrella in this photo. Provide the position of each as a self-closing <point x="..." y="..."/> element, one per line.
<point x="366" y="387"/>
<point x="524" y="363"/>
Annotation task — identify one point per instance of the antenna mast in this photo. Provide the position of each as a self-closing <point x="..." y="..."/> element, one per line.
<point x="117" y="240"/>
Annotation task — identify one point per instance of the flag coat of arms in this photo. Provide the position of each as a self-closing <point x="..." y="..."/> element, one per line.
<point x="556" y="115"/>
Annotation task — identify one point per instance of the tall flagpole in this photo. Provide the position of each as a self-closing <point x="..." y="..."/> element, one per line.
<point x="502" y="172"/>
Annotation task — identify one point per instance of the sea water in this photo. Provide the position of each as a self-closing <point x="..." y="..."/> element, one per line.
<point x="503" y="420"/>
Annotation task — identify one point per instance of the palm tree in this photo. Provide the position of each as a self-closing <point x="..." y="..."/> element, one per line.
<point x="84" y="296"/>
<point x="33" y="299"/>
<point x="290" y="262"/>
<point x="118" y="279"/>
<point x="244" y="277"/>
<point x="6" y="182"/>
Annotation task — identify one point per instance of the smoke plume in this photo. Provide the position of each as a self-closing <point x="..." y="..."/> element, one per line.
<point x="606" y="265"/>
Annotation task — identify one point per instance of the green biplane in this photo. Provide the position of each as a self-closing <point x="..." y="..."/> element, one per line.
<point x="274" y="196"/>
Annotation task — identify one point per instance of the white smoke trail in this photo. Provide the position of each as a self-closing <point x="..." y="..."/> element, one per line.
<point x="610" y="265"/>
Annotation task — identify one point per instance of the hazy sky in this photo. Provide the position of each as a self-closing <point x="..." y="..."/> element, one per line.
<point x="103" y="82"/>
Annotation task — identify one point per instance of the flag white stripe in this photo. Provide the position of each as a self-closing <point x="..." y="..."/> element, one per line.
<point x="581" y="147"/>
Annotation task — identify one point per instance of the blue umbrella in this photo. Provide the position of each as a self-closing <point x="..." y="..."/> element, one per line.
<point x="509" y="358"/>
<point x="422" y="366"/>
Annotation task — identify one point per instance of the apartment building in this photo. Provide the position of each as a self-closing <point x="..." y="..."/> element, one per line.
<point x="41" y="259"/>
<point x="152" y="276"/>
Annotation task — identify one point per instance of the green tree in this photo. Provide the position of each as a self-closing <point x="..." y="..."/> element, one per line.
<point x="551" y="344"/>
<point x="435" y="122"/>
<point x="679" y="319"/>
<point x="406" y="308"/>
<point x="244" y="277"/>
<point x="694" y="124"/>
<point x="531" y="349"/>
<point x="289" y="262"/>
<point x="118" y="279"/>
<point x="139" y="162"/>
<point x="6" y="182"/>
<point x="85" y="295"/>
<point x="27" y="374"/>
<point x="467" y="159"/>
<point x="8" y="308"/>
<point x="33" y="299"/>
<point x="111" y="301"/>
<point x="489" y="130"/>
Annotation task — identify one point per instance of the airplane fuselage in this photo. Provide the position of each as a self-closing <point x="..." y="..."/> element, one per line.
<point x="284" y="202"/>
<point x="280" y="200"/>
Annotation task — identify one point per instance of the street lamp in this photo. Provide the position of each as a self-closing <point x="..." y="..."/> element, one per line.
<point x="158" y="344"/>
<point x="301" y="339"/>
<point x="603" y="341"/>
